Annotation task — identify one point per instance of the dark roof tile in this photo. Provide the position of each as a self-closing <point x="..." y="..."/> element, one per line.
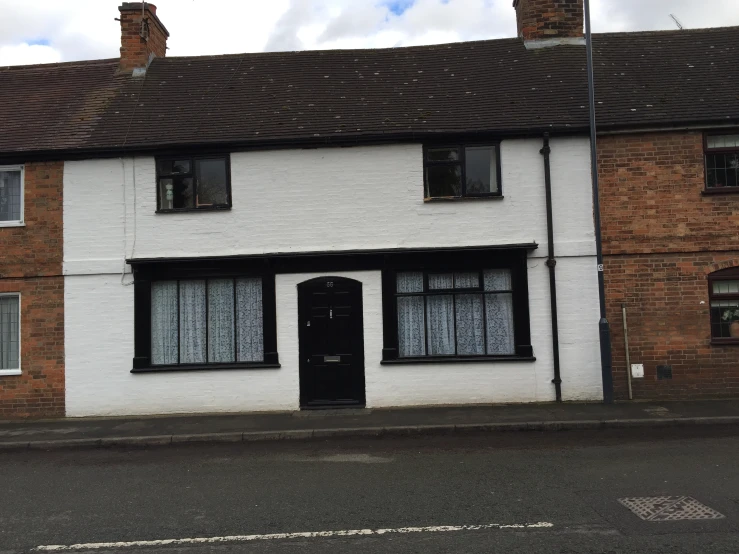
<point x="651" y="78"/>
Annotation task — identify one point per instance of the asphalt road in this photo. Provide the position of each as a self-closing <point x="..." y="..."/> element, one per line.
<point x="567" y="484"/>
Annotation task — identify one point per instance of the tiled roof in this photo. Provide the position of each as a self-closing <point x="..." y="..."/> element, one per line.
<point x="642" y="79"/>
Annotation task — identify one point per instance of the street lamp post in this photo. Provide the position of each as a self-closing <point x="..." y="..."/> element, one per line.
<point x="603" y="326"/>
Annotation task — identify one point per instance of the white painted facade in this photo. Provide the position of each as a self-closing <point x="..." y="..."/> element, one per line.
<point x="331" y="199"/>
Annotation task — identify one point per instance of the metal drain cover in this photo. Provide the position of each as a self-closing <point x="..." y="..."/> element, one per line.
<point x="669" y="508"/>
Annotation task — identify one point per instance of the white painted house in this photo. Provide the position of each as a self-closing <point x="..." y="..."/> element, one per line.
<point x="319" y="242"/>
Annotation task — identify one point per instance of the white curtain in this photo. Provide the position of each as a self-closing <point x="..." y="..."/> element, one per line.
<point x="411" y="333"/>
<point x="9" y="327"/>
<point x="440" y="324"/>
<point x="221" y="320"/>
<point x="10" y="195"/>
<point x="470" y="325"/>
<point x="164" y="340"/>
<point x="192" y="322"/>
<point x="499" y="312"/>
<point x="249" y="327"/>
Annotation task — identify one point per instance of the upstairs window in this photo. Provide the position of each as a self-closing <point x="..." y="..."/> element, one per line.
<point x="11" y="195"/>
<point x="722" y="162"/>
<point x="193" y="183"/>
<point x="462" y="171"/>
<point x="724" y="296"/>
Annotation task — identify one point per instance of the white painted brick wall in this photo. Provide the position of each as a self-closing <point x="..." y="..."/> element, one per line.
<point x="326" y="199"/>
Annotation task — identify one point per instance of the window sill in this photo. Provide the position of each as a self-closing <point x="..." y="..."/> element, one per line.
<point x="725" y="342"/>
<point x="202" y="367"/>
<point x="457" y="360"/>
<point x="720" y="191"/>
<point x="12" y="224"/>
<point x="462" y="198"/>
<point x="9" y="372"/>
<point x="195" y="210"/>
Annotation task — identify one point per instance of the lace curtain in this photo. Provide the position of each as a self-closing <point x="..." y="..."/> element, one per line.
<point x="499" y="312"/>
<point x="226" y="311"/>
<point x="250" y="331"/>
<point x="462" y="323"/>
<point x="164" y="314"/>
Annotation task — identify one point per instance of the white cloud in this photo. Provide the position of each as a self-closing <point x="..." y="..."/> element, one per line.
<point x="26" y="54"/>
<point x="86" y="29"/>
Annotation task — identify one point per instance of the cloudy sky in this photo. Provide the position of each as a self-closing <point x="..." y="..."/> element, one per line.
<point x="42" y="31"/>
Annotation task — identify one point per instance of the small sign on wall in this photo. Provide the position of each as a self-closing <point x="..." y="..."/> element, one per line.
<point x="637" y="371"/>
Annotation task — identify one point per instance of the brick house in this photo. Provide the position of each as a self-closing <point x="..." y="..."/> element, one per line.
<point x="340" y="228"/>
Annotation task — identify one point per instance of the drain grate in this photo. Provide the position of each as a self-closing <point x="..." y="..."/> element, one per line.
<point x="669" y="508"/>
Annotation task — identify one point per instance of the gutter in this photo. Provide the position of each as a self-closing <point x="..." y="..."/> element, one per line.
<point x="551" y="264"/>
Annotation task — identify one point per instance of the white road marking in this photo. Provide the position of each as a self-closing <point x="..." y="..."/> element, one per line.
<point x="282" y="536"/>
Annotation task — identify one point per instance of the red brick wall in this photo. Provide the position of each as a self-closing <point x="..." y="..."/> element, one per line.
<point x="661" y="238"/>
<point x="544" y="19"/>
<point x="39" y="390"/>
<point x="31" y="264"/>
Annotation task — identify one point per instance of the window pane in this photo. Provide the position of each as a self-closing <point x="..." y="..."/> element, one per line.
<point x="441" y="281"/>
<point x="723" y="141"/>
<point x="176" y="193"/>
<point x="442" y="154"/>
<point x="466" y="280"/>
<point x="440" y="322"/>
<point x="249" y="327"/>
<point x="470" y="325"/>
<point x="722" y="170"/>
<point x="497" y="280"/>
<point x="480" y="169"/>
<point x="192" y="322"/>
<point x="444" y="180"/>
<point x="173" y="167"/>
<point x="723" y="314"/>
<point x="164" y="340"/>
<point x="211" y="175"/>
<point x="499" y="323"/>
<point x="726" y="287"/>
<point x="411" y="332"/>
<point x="9" y="332"/>
<point x="221" y="347"/>
<point x="10" y="195"/>
<point x="409" y="281"/>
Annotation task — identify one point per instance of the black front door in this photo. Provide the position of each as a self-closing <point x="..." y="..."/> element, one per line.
<point x="331" y="342"/>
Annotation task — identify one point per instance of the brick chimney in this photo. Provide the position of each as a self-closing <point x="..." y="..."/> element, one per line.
<point x="553" y="21"/>
<point x="142" y="34"/>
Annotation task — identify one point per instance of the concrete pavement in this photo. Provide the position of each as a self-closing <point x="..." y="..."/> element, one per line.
<point x="167" y="430"/>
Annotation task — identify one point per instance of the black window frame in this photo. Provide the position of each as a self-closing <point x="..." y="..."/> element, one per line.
<point x="462" y="162"/>
<point x="146" y="274"/>
<point x="515" y="261"/>
<point x="192" y="158"/>
<point x="728" y="274"/>
<point x="732" y="189"/>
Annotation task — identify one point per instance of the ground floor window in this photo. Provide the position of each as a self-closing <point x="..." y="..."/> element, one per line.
<point x="203" y="321"/>
<point x="724" y="296"/>
<point x="456" y="307"/>
<point x="10" y="326"/>
<point x="467" y="313"/>
<point x="202" y="315"/>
